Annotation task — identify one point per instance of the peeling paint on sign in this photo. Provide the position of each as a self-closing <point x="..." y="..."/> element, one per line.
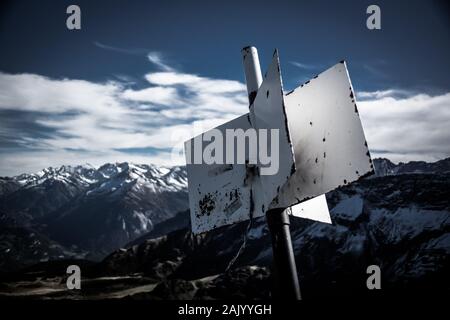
<point x="218" y="193"/>
<point x="329" y="144"/>
<point x="268" y="112"/>
<point x="321" y="144"/>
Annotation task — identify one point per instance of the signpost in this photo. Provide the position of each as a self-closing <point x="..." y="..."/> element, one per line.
<point x="316" y="144"/>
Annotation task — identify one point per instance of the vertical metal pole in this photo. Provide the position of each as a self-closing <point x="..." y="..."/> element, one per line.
<point x="252" y="70"/>
<point x="286" y="279"/>
<point x="286" y="284"/>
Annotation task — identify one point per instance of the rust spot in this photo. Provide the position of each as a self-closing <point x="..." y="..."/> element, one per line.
<point x="252" y="96"/>
<point x="367" y="174"/>
<point x="276" y="200"/>
<point x="207" y="204"/>
<point x="286" y="123"/>
<point x="219" y="170"/>
<point x="252" y="204"/>
<point x="233" y="206"/>
<point x="251" y="171"/>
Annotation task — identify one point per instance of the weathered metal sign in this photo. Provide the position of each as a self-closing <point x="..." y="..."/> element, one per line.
<point x="219" y="194"/>
<point x="268" y="112"/>
<point x="313" y="209"/>
<point x="320" y="144"/>
<point x="327" y="134"/>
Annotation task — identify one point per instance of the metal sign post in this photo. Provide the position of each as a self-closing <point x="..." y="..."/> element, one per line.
<point x="286" y="283"/>
<point x="252" y="70"/>
<point x="319" y="145"/>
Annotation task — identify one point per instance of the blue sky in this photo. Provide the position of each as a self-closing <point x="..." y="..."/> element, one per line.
<point x="139" y="73"/>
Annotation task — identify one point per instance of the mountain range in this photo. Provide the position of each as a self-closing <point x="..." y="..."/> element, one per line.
<point x="84" y="212"/>
<point x="130" y="224"/>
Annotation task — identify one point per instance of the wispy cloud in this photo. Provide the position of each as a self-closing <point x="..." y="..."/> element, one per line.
<point x="91" y="122"/>
<point x="375" y="70"/>
<point x="132" y="51"/>
<point x="48" y="122"/>
<point x="304" y="65"/>
<point x="405" y="127"/>
<point x="379" y="94"/>
<point x="156" y="59"/>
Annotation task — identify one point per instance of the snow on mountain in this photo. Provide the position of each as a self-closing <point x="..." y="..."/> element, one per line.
<point x="384" y="167"/>
<point x="95" y="209"/>
<point x="399" y="220"/>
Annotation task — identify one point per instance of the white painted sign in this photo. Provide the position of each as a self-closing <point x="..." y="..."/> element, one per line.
<point x="268" y="112"/>
<point x="219" y="194"/>
<point x="320" y="142"/>
<point x="327" y="134"/>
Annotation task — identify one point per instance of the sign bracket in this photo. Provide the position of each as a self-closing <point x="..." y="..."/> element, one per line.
<point x="286" y="282"/>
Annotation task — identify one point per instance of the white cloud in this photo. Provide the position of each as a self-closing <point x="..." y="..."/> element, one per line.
<point x="156" y="59"/>
<point x="99" y="118"/>
<point x="303" y="65"/>
<point x="378" y="94"/>
<point x="158" y="95"/>
<point x="407" y="128"/>
<point x="195" y="83"/>
<point x="171" y="78"/>
<point x="88" y="122"/>
<point x="31" y="92"/>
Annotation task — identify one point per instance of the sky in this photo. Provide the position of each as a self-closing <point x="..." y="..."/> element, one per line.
<point x="140" y="77"/>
